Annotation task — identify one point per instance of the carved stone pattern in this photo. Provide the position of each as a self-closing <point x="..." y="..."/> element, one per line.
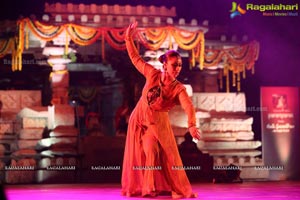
<point x="10" y="100"/>
<point x="34" y="122"/>
<point x="5" y="128"/>
<point x="30" y="99"/>
<point x="220" y="102"/>
<point x="14" y="101"/>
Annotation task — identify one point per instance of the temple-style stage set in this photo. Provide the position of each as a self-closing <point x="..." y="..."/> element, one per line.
<point x="62" y="134"/>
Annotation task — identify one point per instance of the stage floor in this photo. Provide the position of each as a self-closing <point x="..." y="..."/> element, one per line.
<point x="277" y="190"/>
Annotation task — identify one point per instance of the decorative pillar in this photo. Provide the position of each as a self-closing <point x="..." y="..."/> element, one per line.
<point x="59" y="77"/>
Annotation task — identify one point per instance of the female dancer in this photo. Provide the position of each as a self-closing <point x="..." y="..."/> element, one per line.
<point x="152" y="164"/>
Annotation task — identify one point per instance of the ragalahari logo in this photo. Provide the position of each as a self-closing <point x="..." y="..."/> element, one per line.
<point x="236" y="10"/>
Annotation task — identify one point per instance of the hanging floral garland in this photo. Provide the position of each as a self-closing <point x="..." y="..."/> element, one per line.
<point x="235" y="62"/>
<point x="212" y="57"/>
<point x="83" y="35"/>
<point x="151" y="38"/>
<point x="6" y="46"/>
<point x="115" y="38"/>
<point x="43" y="31"/>
<point x="18" y="47"/>
<point x="187" y="40"/>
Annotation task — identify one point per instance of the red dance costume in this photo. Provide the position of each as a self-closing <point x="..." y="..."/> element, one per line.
<point x="152" y="162"/>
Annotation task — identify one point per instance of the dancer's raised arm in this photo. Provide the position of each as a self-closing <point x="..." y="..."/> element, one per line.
<point x="139" y="63"/>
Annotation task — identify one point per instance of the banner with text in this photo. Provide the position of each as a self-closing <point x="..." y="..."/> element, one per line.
<point x="280" y="130"/>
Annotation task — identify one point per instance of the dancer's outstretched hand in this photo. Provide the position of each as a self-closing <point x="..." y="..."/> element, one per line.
<point x="131" y="29"/>
<point x="195" y="133"/>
